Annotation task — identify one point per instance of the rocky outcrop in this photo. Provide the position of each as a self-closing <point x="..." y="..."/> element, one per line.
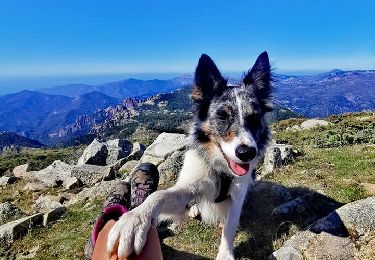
<point x="51" y="208"/>
<point x="311" y="123"/>
<point x="96" y="154"/>
<point x="16" y="229"/>
<point x="166" y="152"/>
<point x="52" y="176"/>
<point x="117" y="149"/>
<point x="21" y="171"/>
<point x="336" y="236"/>
<point x="10" y="212"/>
<point x="92" y="174"/>
<point x="99" y="190"/>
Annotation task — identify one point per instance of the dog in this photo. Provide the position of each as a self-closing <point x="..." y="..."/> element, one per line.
<point x="229" y="135"/>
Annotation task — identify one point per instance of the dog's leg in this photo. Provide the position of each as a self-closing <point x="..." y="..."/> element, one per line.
<point x="232" y="221"/>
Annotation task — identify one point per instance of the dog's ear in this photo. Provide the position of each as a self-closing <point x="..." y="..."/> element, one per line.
<point x="259" y="78"/>
<point x="208" y="83"/>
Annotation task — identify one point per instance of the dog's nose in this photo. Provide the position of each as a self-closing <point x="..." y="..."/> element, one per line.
<point x="246" y="153"/>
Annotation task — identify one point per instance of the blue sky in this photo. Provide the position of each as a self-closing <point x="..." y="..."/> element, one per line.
<point x="70" y="37"/>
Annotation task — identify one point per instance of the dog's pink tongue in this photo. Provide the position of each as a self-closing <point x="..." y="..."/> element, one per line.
<point x="239" y="169"/>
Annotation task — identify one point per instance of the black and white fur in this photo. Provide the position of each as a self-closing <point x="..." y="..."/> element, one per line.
<point x="229" y="127"/>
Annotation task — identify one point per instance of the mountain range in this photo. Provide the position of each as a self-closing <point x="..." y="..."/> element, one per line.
<point x="67" y="111"/>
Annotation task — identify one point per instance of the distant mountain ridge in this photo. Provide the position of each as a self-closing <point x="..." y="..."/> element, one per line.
<point x="78" y="108"/>
<point x="12" y="142"/>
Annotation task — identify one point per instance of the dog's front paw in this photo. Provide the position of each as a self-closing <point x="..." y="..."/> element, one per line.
<point x="225" y="254"/>
<point x="129" y="234"/>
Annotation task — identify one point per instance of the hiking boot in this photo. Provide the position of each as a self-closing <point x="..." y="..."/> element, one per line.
<point x="115" y="205"/>
<point x="143" y="182"/>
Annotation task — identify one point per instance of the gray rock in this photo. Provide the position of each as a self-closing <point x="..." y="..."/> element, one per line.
<point x="166" y="144"/>
<point x="21" y="171"/>
<point x="72" y="183"/>
<point x="34" y="186"/>
<point x="99" y="190"/>
<point x="54" y="175"/>
<point x="53" y="215"/>
<point x="326" y="239"/>
<point x="117" y="165"/>
<point x="117" y="149"/>
<point x="128" y="167"/>
<point x="137" y="151"/>
<point x="287" y="253"/>
<point x="91" y="174"/>
<point x="327" y="246"/>
<point x="10" y="212"/>
<point x="47" y="203"/>
<point x="96" y="154"/>
<point x="16" y="229"/>
<point x="171" y="167"/>
<point x="275" y="156"/>
<point x="5" y="180"/>
<point x="311" y="123"/>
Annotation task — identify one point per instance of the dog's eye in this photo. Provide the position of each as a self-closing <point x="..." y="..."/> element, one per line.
<point x="222" y="114"/>
<point x="252" y="121"/>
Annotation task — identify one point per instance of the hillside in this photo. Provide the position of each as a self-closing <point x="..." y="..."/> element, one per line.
<point x="168" y="112"/>
<point x="12" y="142"/>
<point x="331" y="166"/>
<point x="326" y="94"/>
<point x="34" y="114"/>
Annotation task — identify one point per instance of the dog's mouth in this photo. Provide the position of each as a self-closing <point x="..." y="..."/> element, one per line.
<point x="237" y="168"/>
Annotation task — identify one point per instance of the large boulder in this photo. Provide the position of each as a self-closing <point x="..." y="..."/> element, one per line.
<point x="51" y="208"/>
<point x="10" y="212"/>
<point x="327" y="238"/>
<point x="91" y="174"/>
<point x="137" y="151"/>
<point x="52" y="176"/>
<point x="21" y="171"/>
<point x="166" y="152"/>
<point x="99" y="190"/>
<point x="16" y="229"/>
<point x="117" y="149"/>
<point x="96" y="154"/>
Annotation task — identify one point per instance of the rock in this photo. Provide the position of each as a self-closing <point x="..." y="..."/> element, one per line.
<point x="72" y="183"/>
<point x="10" y="212"/>
<point x="16" y="229"/>
<point x="171" y="167"/>
<point x="29" y="254"/>
<point x="275" y="156"/>
<point x="137" y="151"/>
<point x="117" y="165"/>
<point x="327" y="246"/>
<point x="311" y="123"/>
<point x="326" y="238"/>
<point x="5" y="180"/>
<point x="46" y="203"/>
<point x="166" y="144"/>
<point x="21" y="171"/>
<point x="54" y="175"/>
<point x="34" y="186"/>
<point x="91" y="174"/>
<point x="96" y="154"/>
<point x="369" y="188"/>
<point x="117" y="149"/>
<point x="128" y="167"/>
<point x="99" y="190"/>
<point x="53" y="215"/>
<point x="287" y="253"/>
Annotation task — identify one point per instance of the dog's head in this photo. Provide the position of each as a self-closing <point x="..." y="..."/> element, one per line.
<point x="230" y="120"/>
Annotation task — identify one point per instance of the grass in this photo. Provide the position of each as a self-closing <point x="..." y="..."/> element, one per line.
<point x="39" y="159"/>
<point x="336" y="172"/>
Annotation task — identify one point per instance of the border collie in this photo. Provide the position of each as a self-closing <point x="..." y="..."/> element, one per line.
<point x="229" y="135"/>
